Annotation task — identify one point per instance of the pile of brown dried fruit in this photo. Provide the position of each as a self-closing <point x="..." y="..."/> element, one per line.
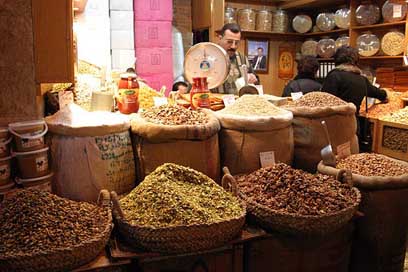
<point x="370" y="164"/>
<point x="287" y="190"/>
<point x="175" y="195"/>
<point x="34" y="221"/>
<point x="174" y="115"/>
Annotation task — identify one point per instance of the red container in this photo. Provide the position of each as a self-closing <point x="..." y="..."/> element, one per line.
<point x="128" y="102"/>
<point x="128" y="81"/>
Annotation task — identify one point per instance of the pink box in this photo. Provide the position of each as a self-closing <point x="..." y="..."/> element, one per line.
<point x="150" y="34"/>
<point x="154" y="60"/>
<point x="158" y="10"/>
<point x="156" y="81"/>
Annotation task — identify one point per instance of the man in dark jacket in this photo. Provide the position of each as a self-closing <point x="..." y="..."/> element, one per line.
<point x="346" y="81"/>
<point x="305" y="81"/>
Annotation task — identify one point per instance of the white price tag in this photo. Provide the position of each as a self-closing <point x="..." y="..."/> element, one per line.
<point x="65" y="98"/>
<point x="160" y="101"/>
<point x="370" y="101"/>
<point x="343" y="150"/>
<point x="296" y="96"/>
<point x="397" y="11"/>
<point x="228" y="100"/>
<point x="267" y="158"/>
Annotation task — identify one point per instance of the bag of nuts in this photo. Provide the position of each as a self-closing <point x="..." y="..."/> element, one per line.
<point x="178" y="135"/>
<point x="381" y="234"/>
<point x="309" y="136"/>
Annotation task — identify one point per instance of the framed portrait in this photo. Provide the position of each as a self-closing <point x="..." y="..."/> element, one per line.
<point x="257" y="51"/>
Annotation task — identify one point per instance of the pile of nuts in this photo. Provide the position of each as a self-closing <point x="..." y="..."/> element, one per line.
<point x="400" y="116"/>
<point x="287" y="190"/>
<point x="392" y="43"/>
<point x="174" y="115"/>
<point x="395" y="139"/>
<point x="33" y="221"/>
<point x="318" y="99"/>
<point x="370" y="164"/>
<point x="252" y="105"/>
<point x="175" y="195"/>
<point x="378" y="110"/>
<point x="309" y="48"/>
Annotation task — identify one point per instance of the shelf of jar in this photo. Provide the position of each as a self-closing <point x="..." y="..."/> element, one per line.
<point x="270" y="35"/>
<point x="325" y="59"/>
<point x="382" y="57"/>
<point x="382" y="25"/>
<point x="335" y="31"/>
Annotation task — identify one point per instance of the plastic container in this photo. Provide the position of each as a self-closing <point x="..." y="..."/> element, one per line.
<point x="32" y="164"/>
<point x="325" y="21"/>
<point x="230" y="15"/>
<point x="394" y="12"/>
<point x="247" y="19"/>
<point x="342" y="18"/>
<point x="128" y="101"/>
<point x="5" y="170"/>
<point x="367" y="14"/>
<point x="5" y="140"/>
<point x="342" y="40"/>
<point x="43" y="183"/>
<point x="128" y="81"/>
<point x="326" y="48"/>
<point x="309" y="47"/>
<point x="392" y="43"/>
<point x="368" y="44"/>
<point x="302" y="23"/>
<point x="264" y="20"/>
<point x="199" y="94"/>
<point x="29" y="135"/>
<point x="280" y="21"/>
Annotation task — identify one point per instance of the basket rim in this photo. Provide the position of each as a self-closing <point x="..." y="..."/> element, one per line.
<point x="108" y="228"/>
<point x="299" y="216"/>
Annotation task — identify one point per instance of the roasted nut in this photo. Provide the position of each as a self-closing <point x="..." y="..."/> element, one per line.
<point x="317" y="99"/>
<point x="174" y="115"/>
<point x="395" y="139"/>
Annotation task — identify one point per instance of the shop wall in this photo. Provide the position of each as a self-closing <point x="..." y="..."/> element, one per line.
<point x="18" y="99"/>
<point x="183" y="22"/>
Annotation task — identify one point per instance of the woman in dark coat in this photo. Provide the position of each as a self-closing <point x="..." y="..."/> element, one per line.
<point x="305" y="80"/>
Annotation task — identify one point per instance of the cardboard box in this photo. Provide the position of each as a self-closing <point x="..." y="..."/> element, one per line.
<point x="122" y="4"/>
<point x="154" y="60"/>
<point x="123" y="59"/>
<point x="121" y="20"/>
<point x="122" y="39"/>
<point x="153" y="10"/>
<point x="150" y="34"/>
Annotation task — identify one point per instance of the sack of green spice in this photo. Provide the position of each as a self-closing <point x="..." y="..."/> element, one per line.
<point x="177" y="209"/>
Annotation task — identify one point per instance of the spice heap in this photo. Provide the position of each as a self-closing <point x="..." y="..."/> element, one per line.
<point x="377" y="110"/>
<point x="175" y="195"/>
<point x="174" y="115"/>
<point x="318" y="99"/>
<point x="400" y="116"/>
<point x="289" y="190"/>
<point x="369" y="164"/>
<point x="252" y="105"/>
<point x="146" y="95"/>
<point x="33" y="221"/>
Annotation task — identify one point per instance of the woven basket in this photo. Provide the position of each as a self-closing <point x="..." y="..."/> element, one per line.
<point x="63" y="259"/>
<point x="178" y="239"/>
<point x="305" y="225"/>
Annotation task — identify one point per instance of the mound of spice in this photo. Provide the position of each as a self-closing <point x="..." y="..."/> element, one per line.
<point x="34" y="221"/>
<point x="174" y="195"/>
<point x="289" y="190"/>
<point x="369" y="164"/>
<point x="252" y="105"/>
<point x="174" y="115"/>
<point x="318" y="99"/>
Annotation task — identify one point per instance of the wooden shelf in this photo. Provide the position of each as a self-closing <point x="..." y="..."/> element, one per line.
<point x="325" y="59"/>
<point x="270" y="35"/>
<point x="383" y="25"/>
<point x="335" y="31"/>
<point x="381" y="57"/>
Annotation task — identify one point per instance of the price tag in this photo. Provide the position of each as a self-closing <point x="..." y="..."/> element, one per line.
<point x="343" y="150"/>
<point x="296" y="96"/>
<point x="160" y="101"/>
<point x="397" y="11"/>
<point x="65" y="98"/>
<point x="267" y="158"/>
<point x="228" y="100"/>
<point x="370" y="101"/>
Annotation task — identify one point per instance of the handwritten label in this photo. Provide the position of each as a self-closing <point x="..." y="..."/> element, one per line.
<point x="228" y="100"/>
<point x="65" y="98"/>
<point x="296" y="95"/>
<point x="397" y="11"/>
<point x="160" y="101"/>
<point x="267" y="158"/>
<point x="343" y="150"/>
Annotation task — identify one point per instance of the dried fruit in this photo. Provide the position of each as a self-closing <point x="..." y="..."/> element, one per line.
<point x="174" y="115"/>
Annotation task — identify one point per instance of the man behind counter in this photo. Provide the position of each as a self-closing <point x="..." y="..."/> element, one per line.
<point x="229" y="39"/>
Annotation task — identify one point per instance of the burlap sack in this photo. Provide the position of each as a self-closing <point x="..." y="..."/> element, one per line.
<point x="242" y="139"/>
<point x="309" y="136"/>
<point x="193" y="146"/>
<point x="379" y="242"/>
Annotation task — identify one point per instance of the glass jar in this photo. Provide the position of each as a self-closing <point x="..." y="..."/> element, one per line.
<point x="246" y="19"/>
<point x="393" y="12"/>
<point x="302" y="23"/>
<point x="264" y="20"/>
<point x="326" y="47"/>
<point x="392" y="43"/>
<point x="230" y="15"/>
<point x="342" y="18"/>
<point x="342" y="40"/>
<point x="368" y="44"/>
<point x="280" y="21"/>
<point x="325" y="21"/>
<point x="367" y="14"/>
<point x="309" y="47"/>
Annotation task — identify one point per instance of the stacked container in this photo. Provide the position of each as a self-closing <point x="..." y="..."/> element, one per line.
<point x="5" y="161"/>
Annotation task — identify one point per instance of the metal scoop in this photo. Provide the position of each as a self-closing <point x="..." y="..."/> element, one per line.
<point x="327" y="151"/>
<point x="247" y="89"/>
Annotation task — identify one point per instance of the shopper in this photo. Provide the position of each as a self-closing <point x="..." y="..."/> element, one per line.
<point x="346" y="81"/>
<point x="229" y="39"/>
<point x="305" y="80"/>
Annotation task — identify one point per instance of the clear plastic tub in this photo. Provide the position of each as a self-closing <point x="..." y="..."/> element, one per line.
<point x="394" y="12"/>
<point x="368" y="44"/>
<point x="302" y="23"/>
<point x="342" y="40"/>
<point x="325" y="21"/>
<point x="264" y="20"/>
<point x="367" y="14"/>
<point x="342" y="18"/>
<point x="230" y="15"/>
<point x="326" y="47"/>
<point x="247" y="19"/>
<point x="309" y="47"/>
<point x="280" y="21"/>
<point x="392" y="43"/>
